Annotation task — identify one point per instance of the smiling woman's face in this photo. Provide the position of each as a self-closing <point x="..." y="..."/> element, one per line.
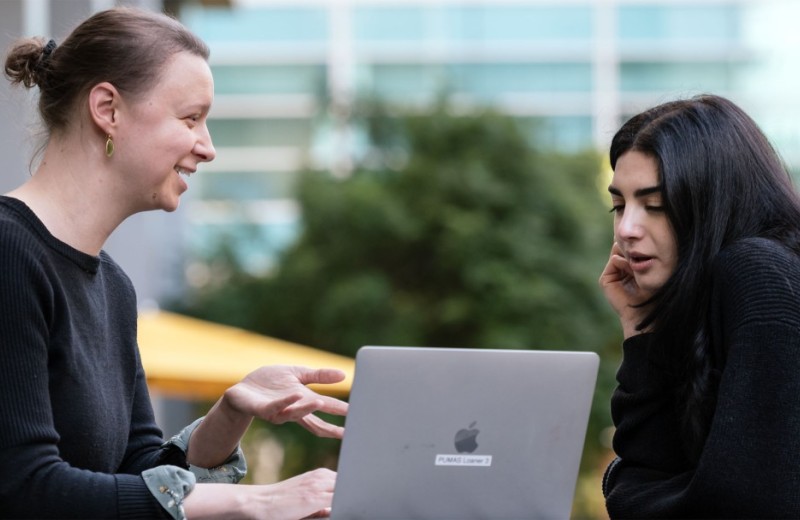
<point x="166" y="135"/>
<point x="641" y="227"/>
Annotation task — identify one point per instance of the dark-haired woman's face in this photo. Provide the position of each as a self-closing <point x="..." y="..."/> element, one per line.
<point x="641" y="227"/>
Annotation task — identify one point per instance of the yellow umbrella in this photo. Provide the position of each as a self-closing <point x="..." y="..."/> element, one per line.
<point x="195" y="359"/>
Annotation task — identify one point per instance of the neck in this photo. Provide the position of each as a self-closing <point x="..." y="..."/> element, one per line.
<point x="74" y="196"/>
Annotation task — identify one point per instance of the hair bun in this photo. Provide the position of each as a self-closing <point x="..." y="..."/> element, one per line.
<point x="26" y="63"/>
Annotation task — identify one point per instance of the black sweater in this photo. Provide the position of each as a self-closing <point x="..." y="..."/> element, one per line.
<point x="76" y="423"/>
<point x="750" y="463"/>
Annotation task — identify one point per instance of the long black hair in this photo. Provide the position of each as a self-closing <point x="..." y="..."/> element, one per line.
<point x="722" y="181"/>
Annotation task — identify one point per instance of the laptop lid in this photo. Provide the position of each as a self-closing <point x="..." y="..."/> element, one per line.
<point x="437" y="434"/>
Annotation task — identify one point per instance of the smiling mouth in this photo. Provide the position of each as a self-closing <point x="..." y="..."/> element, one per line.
<point x="183" y="171"/>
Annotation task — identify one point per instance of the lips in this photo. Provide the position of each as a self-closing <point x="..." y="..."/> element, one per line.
<point x="640" y="262"/>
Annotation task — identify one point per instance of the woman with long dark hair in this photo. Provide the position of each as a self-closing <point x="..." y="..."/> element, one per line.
<point x="705" y="276"/>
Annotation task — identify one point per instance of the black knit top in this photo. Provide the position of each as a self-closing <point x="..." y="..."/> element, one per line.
<point x="76" y="423"/>
<point x="750" y="464"/>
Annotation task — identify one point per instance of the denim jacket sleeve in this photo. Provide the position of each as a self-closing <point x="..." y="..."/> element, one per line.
<point x="170" y="485"/>
<point x="231" y="471"/>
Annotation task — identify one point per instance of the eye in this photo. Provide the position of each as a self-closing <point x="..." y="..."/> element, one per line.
<point x="617" y="208"/>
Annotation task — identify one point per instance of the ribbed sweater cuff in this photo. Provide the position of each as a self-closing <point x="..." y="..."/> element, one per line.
<point x="135" y="501"/>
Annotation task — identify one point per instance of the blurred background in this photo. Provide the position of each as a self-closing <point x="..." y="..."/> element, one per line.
<point x="417" y="172"/>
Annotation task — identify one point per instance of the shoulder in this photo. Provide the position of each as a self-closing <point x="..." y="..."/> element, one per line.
<point x="113" y="270"/>
<point x="17" y="238"/>
<point x="757" y="278"/>
<point x="757" y="259"/>
<point x="746" y="247"/>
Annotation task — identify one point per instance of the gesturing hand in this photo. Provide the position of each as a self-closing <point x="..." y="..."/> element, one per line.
<point x="279" y="394"/>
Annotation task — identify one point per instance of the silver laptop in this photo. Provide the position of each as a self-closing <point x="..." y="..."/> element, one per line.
<point x="436" y="434"/>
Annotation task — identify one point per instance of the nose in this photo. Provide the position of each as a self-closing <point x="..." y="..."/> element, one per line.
<point x="629" y="224"/>
<point x="204" y="148"/>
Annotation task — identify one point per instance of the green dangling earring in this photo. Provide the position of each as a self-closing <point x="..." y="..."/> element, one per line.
<point x="109" y="146"/>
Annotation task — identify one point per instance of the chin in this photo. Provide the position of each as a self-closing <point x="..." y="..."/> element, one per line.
<point x="165" y="205"/>
<point x="650" y="286"/>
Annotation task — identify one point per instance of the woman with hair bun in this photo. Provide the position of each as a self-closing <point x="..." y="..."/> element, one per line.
<point x="124" y="101"/>
<point x="704" y="274"/>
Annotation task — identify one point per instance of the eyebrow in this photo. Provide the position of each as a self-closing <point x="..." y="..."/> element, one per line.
<point x="641" y="192"/>
<point x="203" y="108"/>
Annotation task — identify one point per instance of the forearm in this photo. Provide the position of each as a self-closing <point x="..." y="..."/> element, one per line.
<point x="643" y="408"/>
<point x="298" y="497"/>
<point x="216" y="501"/>
<point x="33" y="488"/>
<point x="217" y="436"/>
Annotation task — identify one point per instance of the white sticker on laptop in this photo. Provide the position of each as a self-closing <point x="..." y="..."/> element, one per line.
<point x="464" y="460"/>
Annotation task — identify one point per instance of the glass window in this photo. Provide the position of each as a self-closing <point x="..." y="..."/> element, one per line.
<point x="260" y="132"/>
<point x="403" y="82"/>
<point x="246" y="185"/>
<point x="500" y="23"/>
<point x="688" y="77"/>
<point x="256" y="245"/>
<point x="389" y="23"/>
<point x="275" y="24"/>
<point x="564" y="133"/>
<point x="487" y="80"/>
<point x="268" y="79"/>
<point x="521" y="23"/>
<point x="698" y="22"/>
<point x="483" y="81"/>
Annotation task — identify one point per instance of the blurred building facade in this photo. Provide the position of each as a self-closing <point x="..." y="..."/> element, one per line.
<point x="288" y="72"/>
<point x="570" y="71"/>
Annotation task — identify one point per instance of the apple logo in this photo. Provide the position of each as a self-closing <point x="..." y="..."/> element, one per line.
<point x="466" y="439"/>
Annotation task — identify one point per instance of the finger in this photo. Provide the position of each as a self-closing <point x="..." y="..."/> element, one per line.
<point x="617" y="266"/>
<point x="296" y="412"/>
<point x="321" y="428"/>
<point x="613" y="274"/>
<point x="276" y="406"/>
<point x="621" y="264"/>
<point x="303" y="414"/>
<point x="322" y="376"/>
<point x="333" y="406"/>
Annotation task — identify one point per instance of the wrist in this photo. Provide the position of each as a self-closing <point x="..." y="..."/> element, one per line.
<point x="628" y="324"/>
<point x="216" y="500"/>
<point x="228" y="410"/>
<point x="218" y="435"/>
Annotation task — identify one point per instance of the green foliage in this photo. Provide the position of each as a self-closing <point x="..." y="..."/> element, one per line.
<point x="475" y="241"/>
<point x="453" y="232"/>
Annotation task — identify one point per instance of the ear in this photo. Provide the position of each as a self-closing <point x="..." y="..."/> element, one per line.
<point x="104" y="100"/>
